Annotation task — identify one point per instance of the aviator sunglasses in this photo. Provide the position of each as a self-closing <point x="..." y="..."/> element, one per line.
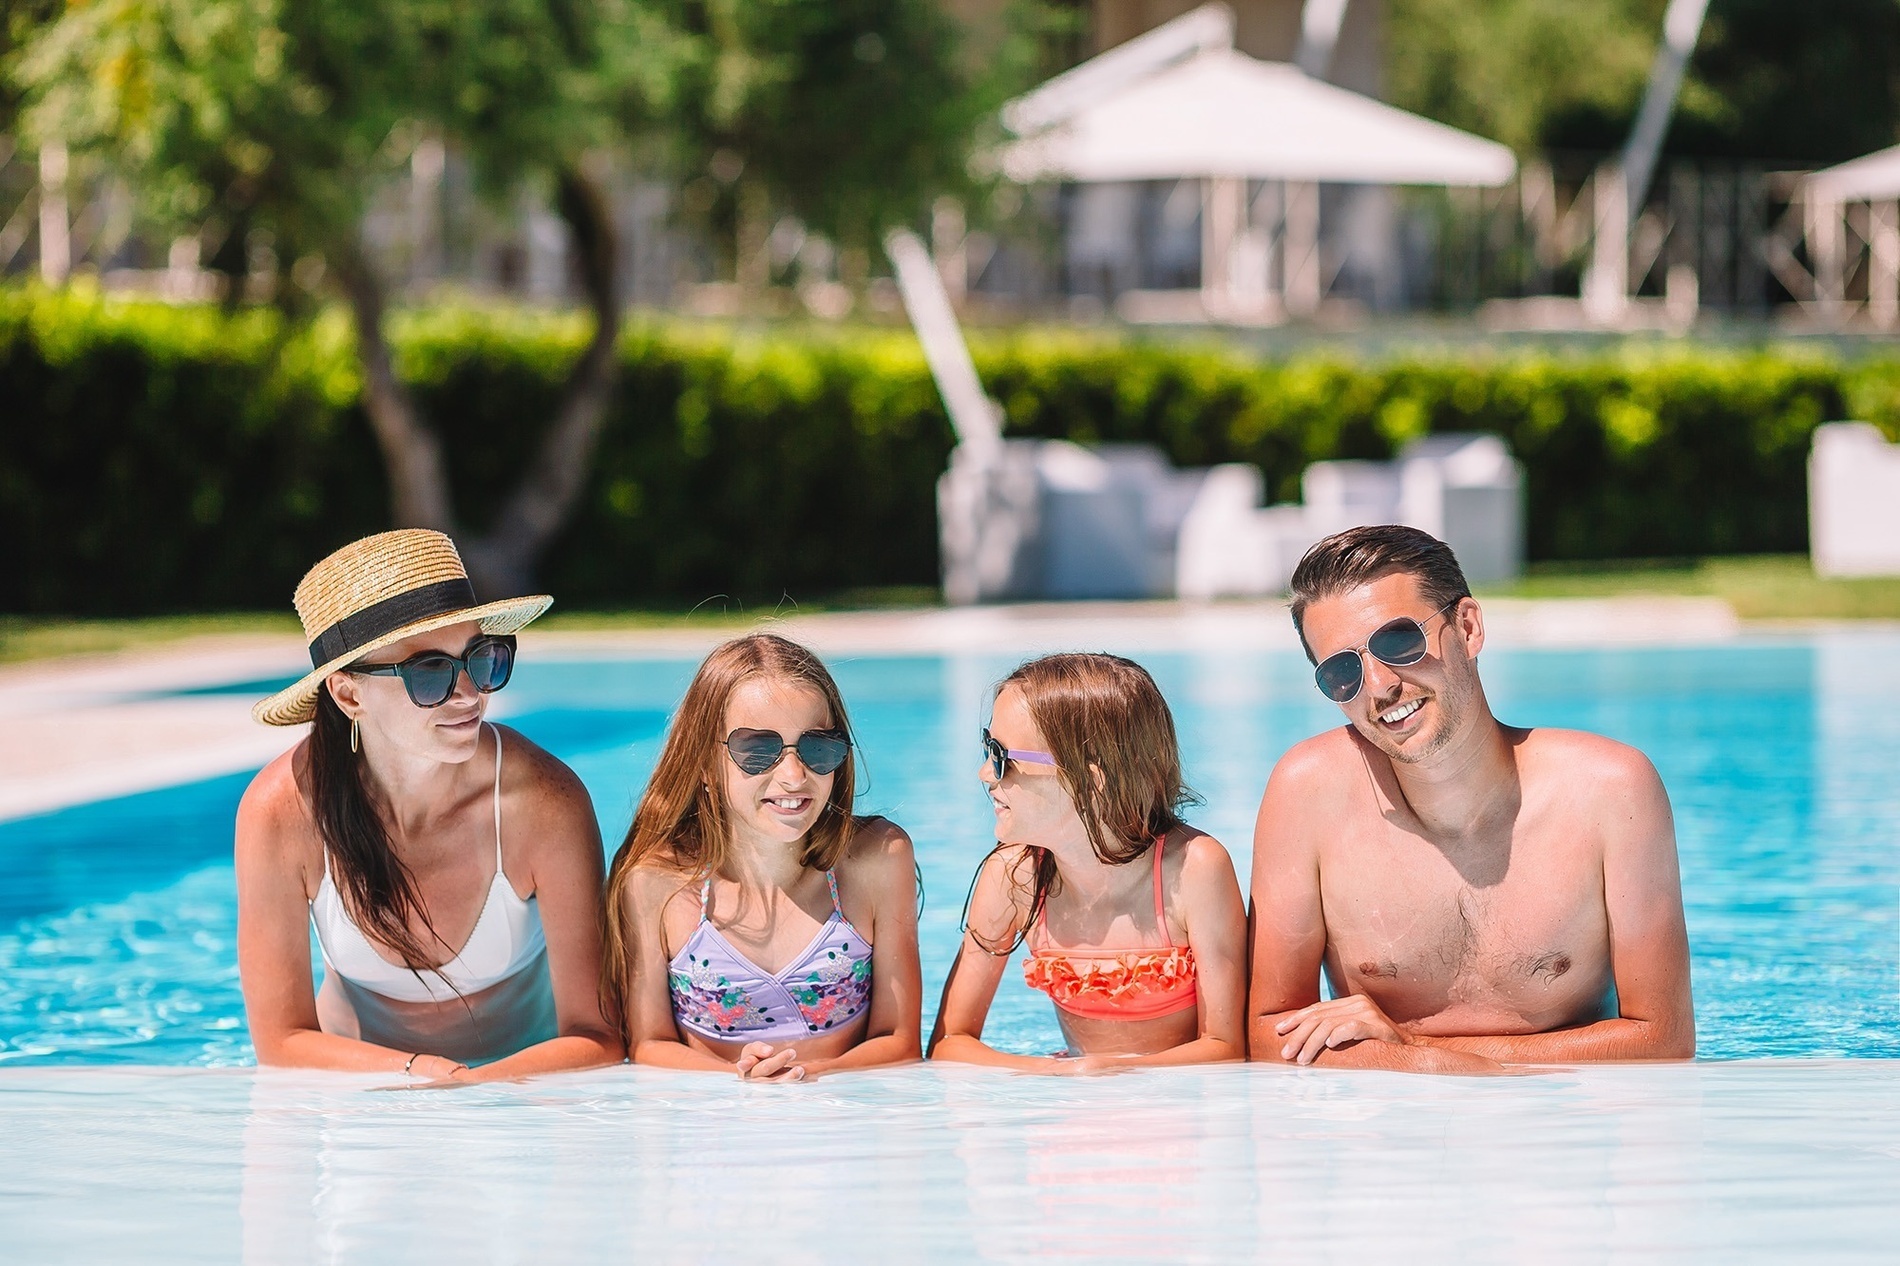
<point x="1398" y="643"/>
<point x="999" y="756"/>
<point x="756" y="751"/>
<point x="430" y="677"/>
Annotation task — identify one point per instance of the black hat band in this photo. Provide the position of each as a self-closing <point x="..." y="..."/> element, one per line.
<point x="379" y="619"/>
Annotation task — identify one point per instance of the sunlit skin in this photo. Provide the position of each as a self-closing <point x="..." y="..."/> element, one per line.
<point x="771" y="907"/>
<point x="1100" y="906"/>
<point x="1477" y="894"/>
<point x="432" y="769"/>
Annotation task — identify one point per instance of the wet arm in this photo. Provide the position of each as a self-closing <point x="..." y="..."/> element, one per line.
<point x="1217" y="929"/>
<point x="971" y="986"/>
<point x="653" y="1037"/>
<point x="1288" y="929"/>
<point x="567" y="886"/>
<point x="280" y="1001"/>
<point x="894" y="1030"/>
<point x="1649" y="948"/>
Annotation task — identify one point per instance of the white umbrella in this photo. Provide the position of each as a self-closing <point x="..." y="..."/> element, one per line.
<point x="1222" y="114"/>
<point x="1871" y="178"/>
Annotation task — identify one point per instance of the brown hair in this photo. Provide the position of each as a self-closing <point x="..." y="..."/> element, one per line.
<point x="377" y="889"/>
<point x="682" y="813"/>
<point x="1117" y="755"/>
<point x="1361" y="555"/>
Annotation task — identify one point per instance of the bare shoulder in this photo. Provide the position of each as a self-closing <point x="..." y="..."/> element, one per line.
<point x="542" y="788"/>
<point x="1319" y="763"/>
<point x="1203" y="857"/>
<point x="274" y="820"/>
<point x="529" y="769"/>
<point x="880" y="844"/>
<point x="1590" y="767"/>
<point x="655" y="882"/>
<point x="1004" y="888"/>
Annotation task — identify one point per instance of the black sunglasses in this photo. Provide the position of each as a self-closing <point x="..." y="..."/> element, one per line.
<point x="430" y="677"/>
<point x="1399" y="643"/>
<point x="999" y="756"/>
<point x="756" y="751"/>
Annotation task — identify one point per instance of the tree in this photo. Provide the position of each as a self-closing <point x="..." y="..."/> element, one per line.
<point x="847" y="113"/>
<point x="1569" y="74"/>
<point x="287" y="114"/>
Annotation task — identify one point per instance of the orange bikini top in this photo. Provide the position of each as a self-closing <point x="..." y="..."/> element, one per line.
<point x="1130" y="984"/>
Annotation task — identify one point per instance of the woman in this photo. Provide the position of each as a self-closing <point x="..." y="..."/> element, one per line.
<point x="754" y="925"/>
<point x="451" y="868"/>
<point x="1133" y="919"/>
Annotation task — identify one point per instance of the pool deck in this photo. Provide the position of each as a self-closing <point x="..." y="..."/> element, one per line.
<point x="87" y="727"/>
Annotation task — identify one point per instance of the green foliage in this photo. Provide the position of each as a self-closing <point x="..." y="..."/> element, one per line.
<point x="285" y="114"/>
<point x="166" y="459"/>
<point x="846" y="113"/>
<point x="1809" y="82"/>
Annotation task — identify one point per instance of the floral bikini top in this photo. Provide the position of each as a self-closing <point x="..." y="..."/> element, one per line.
<point x="723" y="996"/>
<point x="1104" y="984"/>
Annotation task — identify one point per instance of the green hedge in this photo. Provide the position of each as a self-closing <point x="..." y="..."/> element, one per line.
<point x="160" y="458"/>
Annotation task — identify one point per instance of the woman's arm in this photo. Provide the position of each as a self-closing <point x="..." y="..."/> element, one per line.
<point x="998" y="911"/>
<point x="277" y="853"/>
<point x="1216" y="921"/>
<point x="884" y="864"/>
<point x="554" y="819"/>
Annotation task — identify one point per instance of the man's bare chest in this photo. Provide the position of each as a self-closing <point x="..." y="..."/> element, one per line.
<point x="1526" y="943"/>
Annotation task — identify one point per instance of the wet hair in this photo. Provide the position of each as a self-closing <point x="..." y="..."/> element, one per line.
<point x="376" y="887"/>
<point x="682" y="817"/>
<point x="1361" y="555"/>
<point x="1109" y="728"/>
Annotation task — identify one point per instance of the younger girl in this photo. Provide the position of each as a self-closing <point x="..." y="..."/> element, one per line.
<point x="1133" y="919"/>
<point x="753" y="923"/>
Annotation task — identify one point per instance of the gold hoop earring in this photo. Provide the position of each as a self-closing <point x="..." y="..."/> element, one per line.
<point x="356" y="735"/>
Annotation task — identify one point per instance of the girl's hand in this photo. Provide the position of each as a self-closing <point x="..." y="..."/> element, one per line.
<point x="759" y="1062"/>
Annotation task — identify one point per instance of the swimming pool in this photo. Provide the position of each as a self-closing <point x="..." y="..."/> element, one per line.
<point x="1782" y="759"/>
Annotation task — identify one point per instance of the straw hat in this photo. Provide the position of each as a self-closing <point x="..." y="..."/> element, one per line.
<point x="380" y="590"/>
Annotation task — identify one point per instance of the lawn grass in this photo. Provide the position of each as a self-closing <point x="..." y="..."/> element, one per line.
<point x="1764" y="587"/>
<point x="45" y="637"/>
<point x="1759" y="587"/>
<point x="42" y="637"/>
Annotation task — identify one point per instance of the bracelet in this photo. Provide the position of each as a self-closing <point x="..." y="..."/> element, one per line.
<point x="411" y="1063"/>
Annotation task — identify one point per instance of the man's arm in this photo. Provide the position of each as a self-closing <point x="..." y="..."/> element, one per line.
<point x="1288" y="925"/>
<point x="1649" y="943"/>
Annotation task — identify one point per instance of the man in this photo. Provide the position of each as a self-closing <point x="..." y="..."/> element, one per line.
<point x="1477" y="894"/>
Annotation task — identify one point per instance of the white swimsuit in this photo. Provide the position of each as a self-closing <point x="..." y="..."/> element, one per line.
<point x="492" y="999"/>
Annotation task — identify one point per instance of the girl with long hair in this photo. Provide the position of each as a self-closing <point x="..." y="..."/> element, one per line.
<point x="754" y="923"/>
<point x="451" y="868"/>
<point x="1132" y="919"/>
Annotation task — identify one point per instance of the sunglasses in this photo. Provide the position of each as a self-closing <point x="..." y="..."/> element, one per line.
<point x="756" y="751"/>
<point x="999" y="756"/>
<point x="1398" y="643"/>
<point x="430" y="677"/>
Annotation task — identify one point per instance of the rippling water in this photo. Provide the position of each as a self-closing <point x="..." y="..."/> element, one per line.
<point x="117" y="919"/>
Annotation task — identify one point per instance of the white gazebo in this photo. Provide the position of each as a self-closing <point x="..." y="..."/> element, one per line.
<point x="1872" y="181"/>
<point x="1181" y="103"/>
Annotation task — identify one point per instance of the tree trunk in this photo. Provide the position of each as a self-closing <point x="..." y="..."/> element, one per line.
<point x="412" y="452"/>
<point x="502" y="562"/>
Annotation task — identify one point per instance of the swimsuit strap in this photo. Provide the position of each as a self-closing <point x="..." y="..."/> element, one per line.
<point x="1161" y="909"/>
<point x="705" y="896"/>
<point x="831" y="881"/>
<point x="497" y="734"/>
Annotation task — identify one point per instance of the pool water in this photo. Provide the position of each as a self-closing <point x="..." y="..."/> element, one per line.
<point x="1782" y="757"/>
